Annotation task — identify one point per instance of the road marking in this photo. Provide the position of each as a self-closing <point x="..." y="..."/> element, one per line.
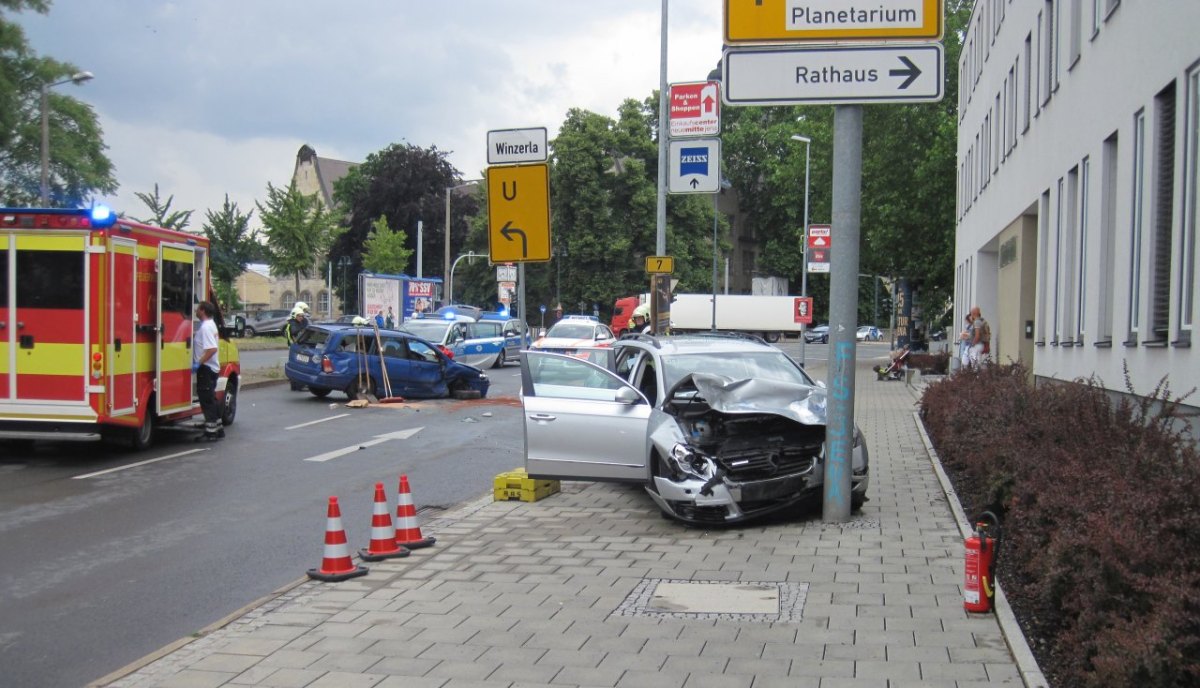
<point x="314" y="422"/>
<point x="139" y="463"/>
<point x="379" y="439"/>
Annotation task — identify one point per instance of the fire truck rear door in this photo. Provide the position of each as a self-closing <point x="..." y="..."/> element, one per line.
<point x="47" y="340"/>
<point x="176" y="301"/>
<point x="6" y="332"/>
<point x="121" y="340"/>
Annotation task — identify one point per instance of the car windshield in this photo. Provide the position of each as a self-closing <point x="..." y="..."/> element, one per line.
<point x="571" y="330"/>
<point x="432" y="330"/>
<point x="764" y="365"/>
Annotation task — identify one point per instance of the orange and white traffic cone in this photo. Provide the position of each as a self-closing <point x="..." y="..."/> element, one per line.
<point x="336" y="564"/>
<point x="408" y="533"/>
<point x="383" y="534"/>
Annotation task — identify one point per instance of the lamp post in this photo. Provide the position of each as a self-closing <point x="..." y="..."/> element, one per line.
<point x="450" y="279"/>
<point x="560" y="252"/>
<point x="449" y="276"/>
<point x="804" y="273"/>
<point x="725" y="184"/>
<point x="77" y="78"/>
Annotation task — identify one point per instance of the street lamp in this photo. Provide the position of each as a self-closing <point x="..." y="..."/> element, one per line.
<point x="560" y="252"/>
<point x="725" y="184"/>
<point x="804" y="273"/>
<point x="344" y="262"/>
<point x="450" y="279"/>
<point x="77" y="78"/>
<point x="449" y="276"/>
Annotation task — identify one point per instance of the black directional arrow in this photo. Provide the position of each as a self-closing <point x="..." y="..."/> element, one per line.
<point x="912" y="72"/>
<point x="506" y="231"/>
<point x="694" y="183"/>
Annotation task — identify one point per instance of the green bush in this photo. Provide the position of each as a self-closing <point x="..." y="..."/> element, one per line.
<point x="1101" y="508"/>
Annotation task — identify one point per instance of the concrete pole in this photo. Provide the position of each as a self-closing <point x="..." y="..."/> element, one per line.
<point x="447" y="280"/>
<point x="804" y="266"/>
<point x="660" y="237"/>
<point x="420" y="252"/>
<point x="45" y="190"/>
<point x="843" y="310"/>
<point x="714" y="279"/>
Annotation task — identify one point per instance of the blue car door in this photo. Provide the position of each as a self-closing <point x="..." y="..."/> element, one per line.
<point x="395" y="362"/>
<point x="426" y="370"/>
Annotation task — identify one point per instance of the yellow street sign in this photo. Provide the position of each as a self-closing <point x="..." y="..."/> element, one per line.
<point x="775" y="21"/>
<point x="660" y="265"/>
<point x="519" y="213"/>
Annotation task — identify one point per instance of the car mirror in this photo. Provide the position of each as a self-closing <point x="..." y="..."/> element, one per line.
<point x="627" y="395"/>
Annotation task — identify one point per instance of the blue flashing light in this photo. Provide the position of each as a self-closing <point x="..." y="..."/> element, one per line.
<point x="449" y="315"/>
<point x="102" y="216"/>
<point x="504" y="312"/>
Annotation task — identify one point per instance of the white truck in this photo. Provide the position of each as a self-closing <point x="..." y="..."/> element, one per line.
<point x="766" y="316"/>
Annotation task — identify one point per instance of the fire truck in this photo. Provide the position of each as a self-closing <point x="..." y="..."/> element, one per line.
<point x="96" y="321"/>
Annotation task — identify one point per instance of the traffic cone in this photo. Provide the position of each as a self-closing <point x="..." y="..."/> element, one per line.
<point x="408" y="533"/>
<point x="336" y="565"/>
<point x="383" y="535"/>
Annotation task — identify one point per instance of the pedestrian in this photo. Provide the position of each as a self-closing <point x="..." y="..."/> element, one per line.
<point x="640" y="318"/>
<point x="390" y="320"/>
<point x="379" y="321"/>
<point x="292" y="329"/>
<point x="964" y="342"/>
<point x="981" y="337"/>
<point x="206" y="366"/>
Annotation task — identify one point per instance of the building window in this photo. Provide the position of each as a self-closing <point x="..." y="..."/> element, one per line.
<point x="998" y="135"/>
<point x="1070" y="252"/>
<point x="1027" y="98"/>
<point x="1097" y="15"/>
<point x="1043" y="265"/>
<point x="1040" y="51"/>
<point x="1057" y="41"/>
<point x="1058" y="262"/>
<point x="1108" y="238"/>
<point x="1085" y="174"/>
<point x="1048" y="48"/>
<point x="1076" y="31"/>
<point x="1109" y="6"/>
<point x="306" y="297"/>
<point x="1163" y="211"/>
<point x="1137" y="198"/>
<point x="323" y="302"/>
<point x="1191" y="195"/>
<point x="287" y="300"/>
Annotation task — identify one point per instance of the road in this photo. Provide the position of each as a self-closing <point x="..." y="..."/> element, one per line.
<point x="110" y="555"/>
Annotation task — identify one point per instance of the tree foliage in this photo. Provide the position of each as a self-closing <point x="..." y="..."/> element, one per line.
<point x="299" y="230"/>
<point x="232" y="246"/>
<point x="161" y="214"/>
<point x="406" y="184"/>
<point x="79" y="168"/>
<point x="384" y="251"/>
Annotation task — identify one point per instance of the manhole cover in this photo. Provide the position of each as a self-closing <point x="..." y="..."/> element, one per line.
<point x="765" y="601"/>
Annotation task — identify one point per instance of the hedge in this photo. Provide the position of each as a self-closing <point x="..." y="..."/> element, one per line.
<point x="1100" y="503"/>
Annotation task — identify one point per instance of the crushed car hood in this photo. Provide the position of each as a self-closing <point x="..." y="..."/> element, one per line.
<point x="802" y="403"/>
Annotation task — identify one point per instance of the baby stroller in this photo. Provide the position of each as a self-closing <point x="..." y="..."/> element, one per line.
<point x="895" y="371"/>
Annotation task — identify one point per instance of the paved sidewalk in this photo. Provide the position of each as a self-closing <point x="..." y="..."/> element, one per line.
<point x="573" y="591"/>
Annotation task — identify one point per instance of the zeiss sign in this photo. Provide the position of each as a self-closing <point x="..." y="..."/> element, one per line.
<point x="695" y="166"/>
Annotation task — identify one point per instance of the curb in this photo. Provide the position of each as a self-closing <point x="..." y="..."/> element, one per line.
<point x="1031" y="673"/>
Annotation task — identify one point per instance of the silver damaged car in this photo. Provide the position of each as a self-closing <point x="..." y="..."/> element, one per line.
<point x="718" y="429"/>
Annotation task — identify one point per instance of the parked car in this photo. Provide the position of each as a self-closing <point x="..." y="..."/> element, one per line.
<point x="267" y="323"/>
<point x="718" y="429"/>
<point x="868" y="333"/>
<point x="820" y="333"/>
<point x="330" y="358"/>
<point x="484" y="344"/>
<point x="575" y="332"/>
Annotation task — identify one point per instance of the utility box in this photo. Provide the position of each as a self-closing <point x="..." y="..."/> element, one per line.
<point x="518" y="485"/>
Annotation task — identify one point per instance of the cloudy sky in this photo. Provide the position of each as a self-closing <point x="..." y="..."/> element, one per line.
<point x="208" y="97"/>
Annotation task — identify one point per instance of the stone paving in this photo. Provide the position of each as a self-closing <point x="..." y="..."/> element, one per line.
<point x="562" y="592"/>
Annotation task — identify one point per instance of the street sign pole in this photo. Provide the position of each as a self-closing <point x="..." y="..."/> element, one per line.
<point x="843" y="311"/>
<point x="660" y="217"/>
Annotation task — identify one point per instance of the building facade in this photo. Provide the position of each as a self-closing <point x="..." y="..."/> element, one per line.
<point x="1077" y="187"/>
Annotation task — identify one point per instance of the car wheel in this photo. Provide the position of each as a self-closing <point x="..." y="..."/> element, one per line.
<point x="319" y="392"/>
<point x="461" y="391"/>
<point x="500" y="360"/>
<point x="772" y="337"/>
<point x="229" y="408"/>
<point x="142" y="436"/>
<point x="361" y="389"/>
<point x="249" y="331"/>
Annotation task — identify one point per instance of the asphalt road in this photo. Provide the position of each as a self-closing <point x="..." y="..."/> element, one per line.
<point x="110" y="555"/>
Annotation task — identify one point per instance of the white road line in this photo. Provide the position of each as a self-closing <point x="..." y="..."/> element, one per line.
<point x="379" y="439"/>
<point x="139" y="463"/>
<point x="314" y="422"/>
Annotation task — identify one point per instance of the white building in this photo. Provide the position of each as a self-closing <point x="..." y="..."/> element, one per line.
<point x="1077" y="187"/>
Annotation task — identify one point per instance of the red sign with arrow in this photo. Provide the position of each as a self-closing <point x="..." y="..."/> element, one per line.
<point x="695" y="109"/>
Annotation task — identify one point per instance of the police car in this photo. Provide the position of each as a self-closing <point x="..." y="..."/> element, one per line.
<point x="480" y="343"/>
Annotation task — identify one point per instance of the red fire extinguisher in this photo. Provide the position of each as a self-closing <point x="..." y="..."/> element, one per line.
<point x="980" y="580"/>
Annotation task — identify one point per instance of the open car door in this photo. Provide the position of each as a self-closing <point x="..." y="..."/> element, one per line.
<point x="582" y="422"/>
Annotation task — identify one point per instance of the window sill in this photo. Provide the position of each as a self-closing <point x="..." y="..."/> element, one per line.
<point x="1129" y="343"/>
<point x="1182" y="343"/>
<point x="1067" y="342"/>
<point x="1040" y="343"/>
<point x="1156" y="344"/>
<point x="1105" y="344"/>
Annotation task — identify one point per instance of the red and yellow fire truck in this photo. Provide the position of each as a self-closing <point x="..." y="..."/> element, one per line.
<point x="96" y="320"/>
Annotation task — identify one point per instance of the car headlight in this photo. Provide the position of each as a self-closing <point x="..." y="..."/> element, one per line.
<point x="687" y="461"/>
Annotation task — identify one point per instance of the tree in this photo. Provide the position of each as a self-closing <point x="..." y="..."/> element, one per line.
<point x="161" y="214"/>
<point x="406" y="184"/>
<point x="299" y="230"/>
<point x="79" y="169"/>
<point x="384" y="249"/>
<point x="232" y="246"/>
